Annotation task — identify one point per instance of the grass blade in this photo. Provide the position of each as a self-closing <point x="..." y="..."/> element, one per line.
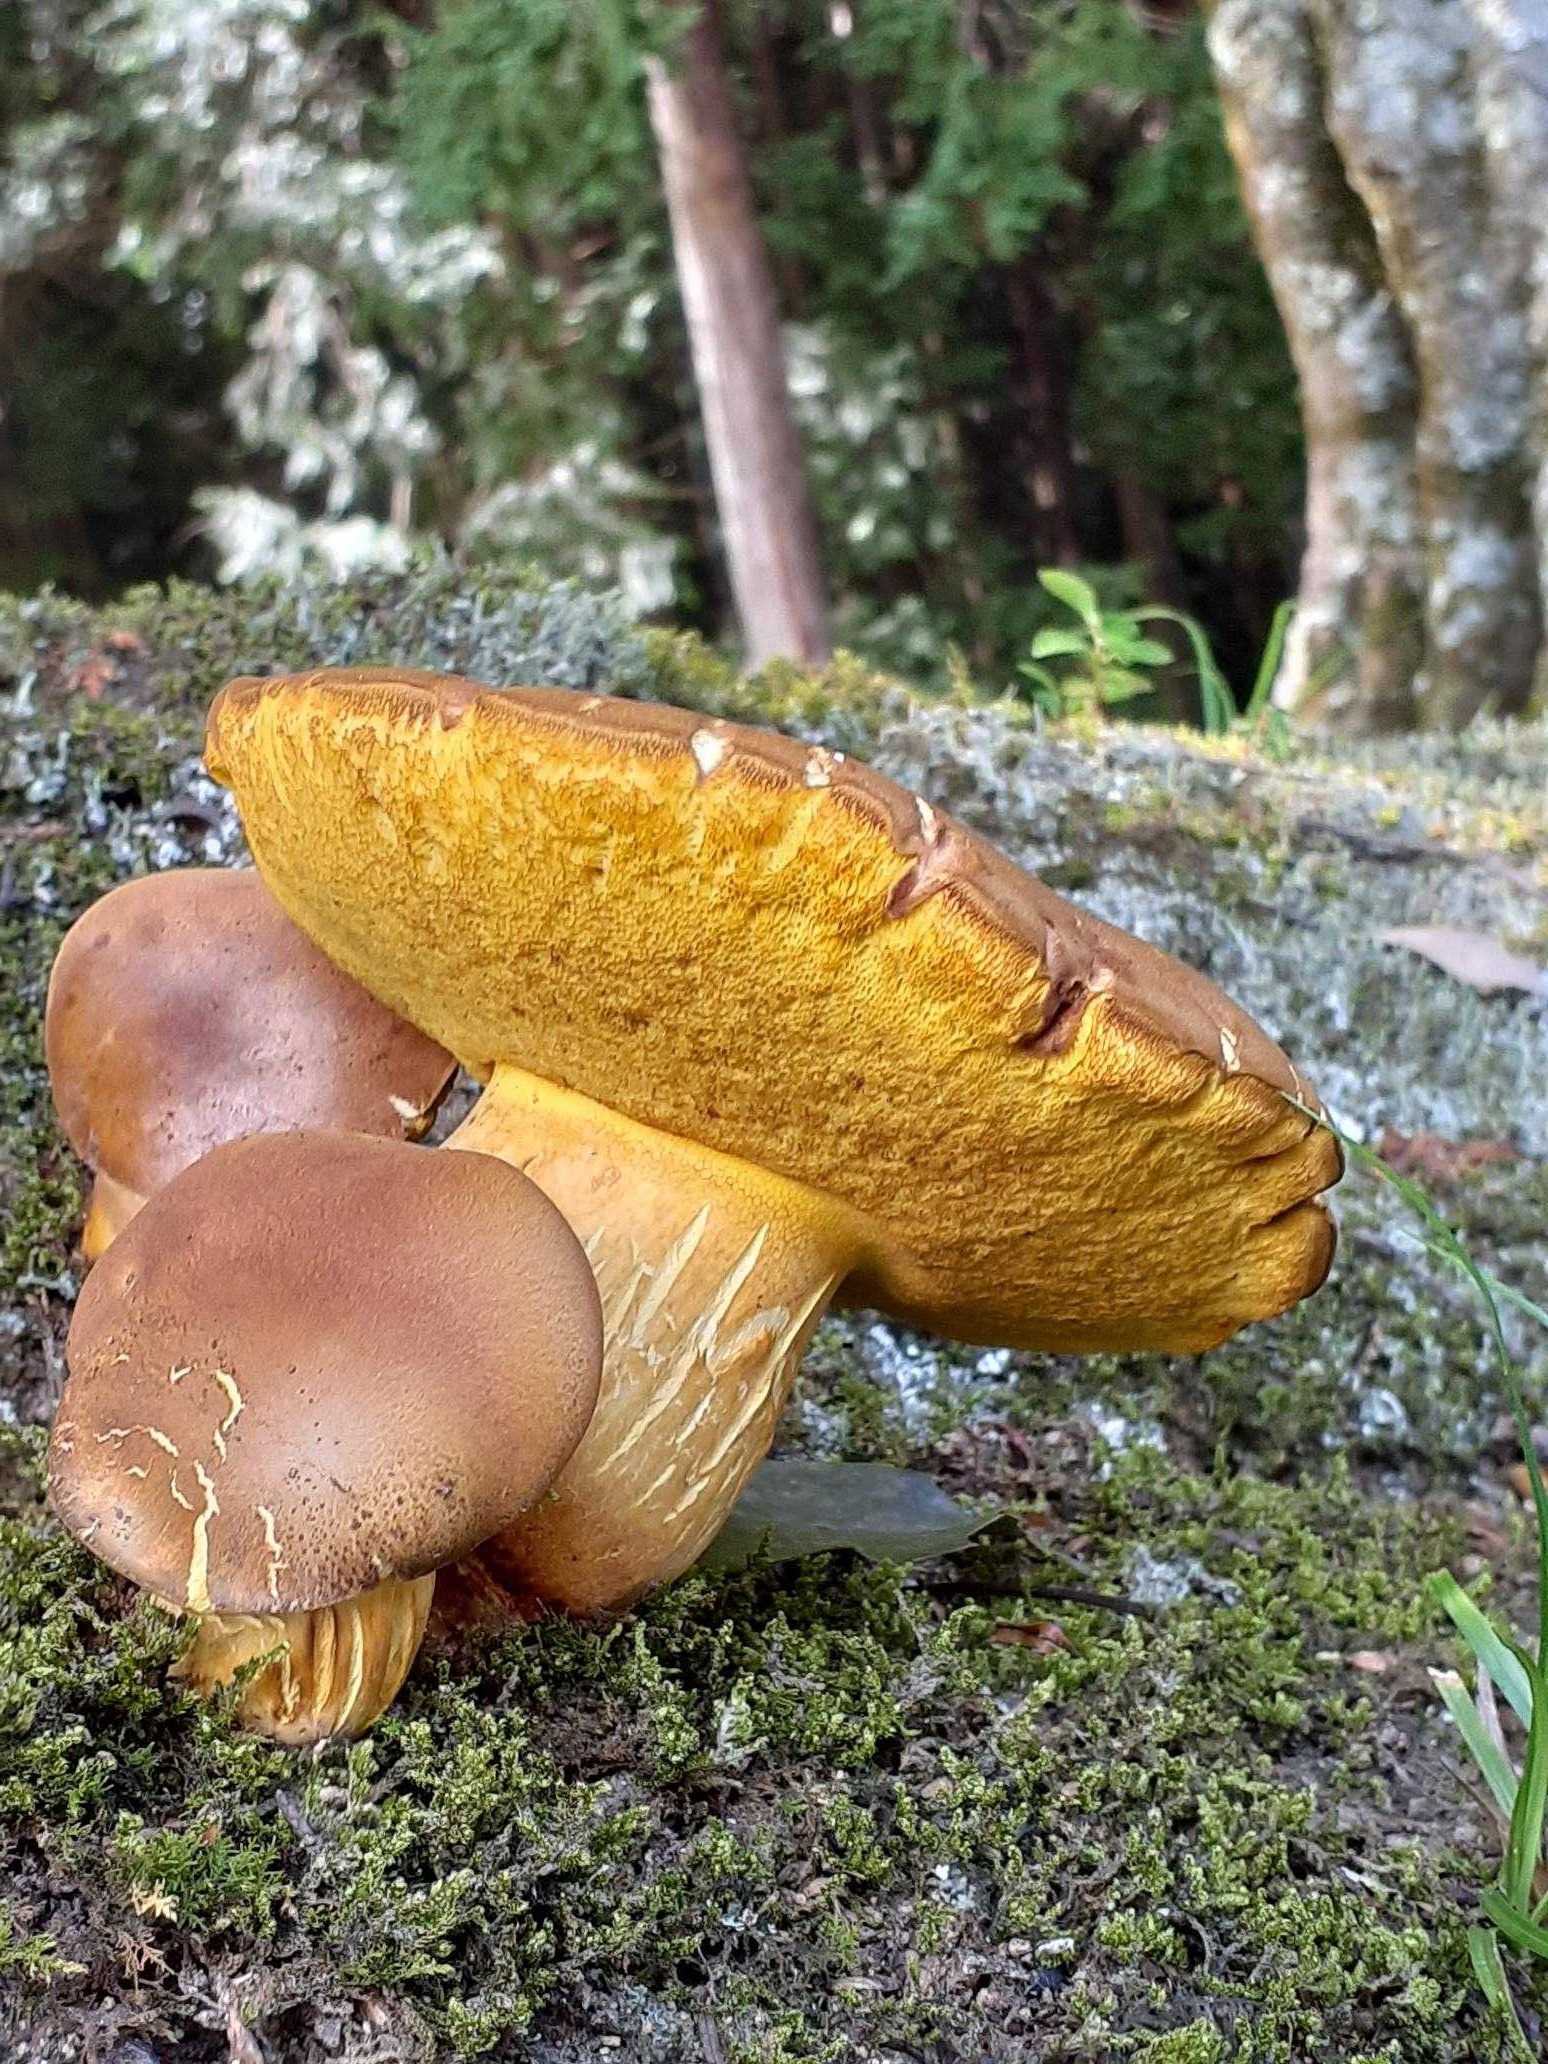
<point x="1494" y="1654"/>
<point x="1493" y="1764"/>
<point x="1268" y="665"/>
<point x="1512" y="1923"/>
<point x="1217" y="705"/>
<point x="1483" y="1949"/>
<point x="1524" y="1848"/>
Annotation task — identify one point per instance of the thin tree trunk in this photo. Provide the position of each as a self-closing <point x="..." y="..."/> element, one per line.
<point x="1148" y="544"/>
<point x="1510" y="62"/>
<point x="1402" y="112"/>
<point x="1358" y="640"/>
<point x="1040" y="376"/>
<point x="766" y="515"/>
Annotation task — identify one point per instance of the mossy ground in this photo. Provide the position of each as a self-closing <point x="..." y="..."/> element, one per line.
<point x="822" y="1810"/>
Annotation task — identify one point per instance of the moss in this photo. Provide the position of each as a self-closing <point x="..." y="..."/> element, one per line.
<point x="824" y="1808"/>
<point x="763" y="1784"/>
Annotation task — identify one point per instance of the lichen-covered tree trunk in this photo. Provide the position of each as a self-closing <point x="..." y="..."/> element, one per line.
<point x="766" y="516"/>
<point x="1402" y="109"/>
<point x="1511" y="67"/>
<point x="1359" y="132"/>
<point x="1357" y="642"/>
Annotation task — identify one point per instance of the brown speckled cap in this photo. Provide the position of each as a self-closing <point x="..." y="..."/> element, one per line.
<point x="1050" y="1133"/>
<point x="315" y="1361"/>
<point x="185" y="1009"/>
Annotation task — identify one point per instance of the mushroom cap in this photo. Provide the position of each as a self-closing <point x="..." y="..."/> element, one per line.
<point x="185" y="1009"/>
<point x="1049" y="1133"/>
<point x="315" y="1361"/>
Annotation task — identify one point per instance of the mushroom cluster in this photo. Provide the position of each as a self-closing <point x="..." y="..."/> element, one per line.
<point x="766" y="1029"/>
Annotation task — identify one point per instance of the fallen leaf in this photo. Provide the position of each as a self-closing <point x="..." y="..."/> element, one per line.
<point x="1042" y="1637"/>
<point x="800" y="1507"/>
<point x="1483" y="962"/>
<point x="1438" y="1160"/>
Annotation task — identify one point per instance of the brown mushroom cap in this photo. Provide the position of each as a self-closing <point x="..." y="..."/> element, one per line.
<point x="186" y="1009"/>
<point x="1050" y="1133"/>
<point x="315" y="1361"/>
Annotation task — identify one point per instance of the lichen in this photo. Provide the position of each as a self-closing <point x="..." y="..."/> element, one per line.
<point x="822" y="1810"/>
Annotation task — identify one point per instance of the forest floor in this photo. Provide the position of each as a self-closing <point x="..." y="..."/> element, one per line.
<point x="825" y="1810"/>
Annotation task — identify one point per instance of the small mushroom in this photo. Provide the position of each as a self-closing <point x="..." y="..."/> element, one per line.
<point x="768" y="1028"/>
<point x="315" y="1369"/>
<point x="185" y="1009"/>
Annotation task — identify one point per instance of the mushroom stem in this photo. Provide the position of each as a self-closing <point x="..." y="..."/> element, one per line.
<point x="112" y="1206"/>
<point x="340" y="1666"/>
<point x="712" y="1274"/>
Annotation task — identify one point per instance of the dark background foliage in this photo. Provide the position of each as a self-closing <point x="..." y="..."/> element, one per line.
<point x="284" y="281"/>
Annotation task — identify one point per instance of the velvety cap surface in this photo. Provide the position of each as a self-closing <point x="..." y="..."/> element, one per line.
<point x="1051" y="1133"/>
<point x="185" y="1009"/>
<point x="317" y="1360"/>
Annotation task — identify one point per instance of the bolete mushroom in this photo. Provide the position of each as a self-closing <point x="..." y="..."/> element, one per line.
<point x="767" y="1027"/>
<point x="316" y="1368"/>
<point x="185" y="1009"/>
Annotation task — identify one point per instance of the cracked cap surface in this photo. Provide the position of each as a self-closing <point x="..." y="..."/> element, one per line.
<point x="317" y="1360"/>
<point x="185" y="1009"/>
<point x="1051" y="1134"/>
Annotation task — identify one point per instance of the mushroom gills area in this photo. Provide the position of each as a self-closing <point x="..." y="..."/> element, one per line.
<point x="112" y="1206"/>
<point x="339" y="1666"/>
<point x="712" y="1274"/>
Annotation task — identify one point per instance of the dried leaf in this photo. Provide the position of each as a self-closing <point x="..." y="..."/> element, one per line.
<point x="1484" y="963"/>
<point x="1042" y="1637"/>
<point x="1437" y="1160"/>
<point x="800" y="1507"/>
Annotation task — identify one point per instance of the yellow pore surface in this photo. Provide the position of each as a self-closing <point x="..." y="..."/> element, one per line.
<point x="713" y="932"/>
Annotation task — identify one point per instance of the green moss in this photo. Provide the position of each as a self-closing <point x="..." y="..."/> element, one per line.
<point x="764" y="1783"/>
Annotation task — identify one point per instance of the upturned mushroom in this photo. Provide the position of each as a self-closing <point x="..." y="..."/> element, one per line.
<point x="185" y="1009"/>
<point x="315" y="1369"/>
<point x="769" y="1028"/>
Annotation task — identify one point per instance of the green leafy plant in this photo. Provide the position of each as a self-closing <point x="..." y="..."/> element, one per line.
<point x="1516" y="1905"/>
<point x="1110" y="658"/>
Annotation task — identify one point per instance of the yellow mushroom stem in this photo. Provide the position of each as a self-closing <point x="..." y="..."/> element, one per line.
<point x="339" y="1667"/>
<point x="712" y="1273"/>
<point x="112" y="1206"/>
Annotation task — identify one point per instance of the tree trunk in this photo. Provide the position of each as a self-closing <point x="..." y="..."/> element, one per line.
<point x="1148" y="543"/>
<point x="1357" y="640"/>
<point x="1359" y="136"/>
<point x="1040" y="375"/>
<point x="1402" y="111"/>
<point x="766" y="517"/>
<point x="1510" y="63"/>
